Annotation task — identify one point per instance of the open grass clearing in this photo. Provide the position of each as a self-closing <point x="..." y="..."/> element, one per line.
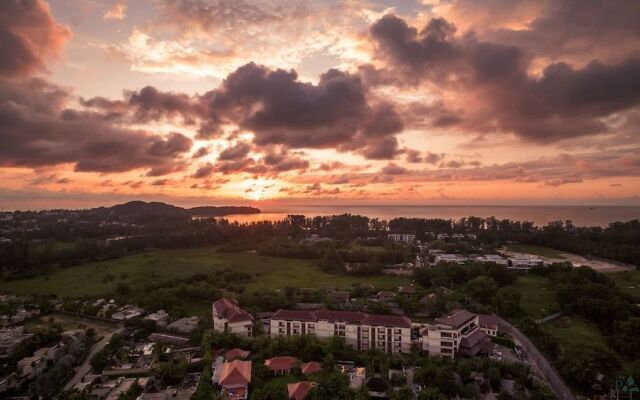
<point x="92" y="279"/>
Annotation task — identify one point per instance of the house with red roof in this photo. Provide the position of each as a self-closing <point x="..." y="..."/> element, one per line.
<point x="228" y="316"/>
<point x="489" y="324"/>
<point x="236" y="354"/>
<point x="299" y="390"/>
<point x="311" y="367"/>
<point x="235" y="379"/>
<point x="280" y="365"/>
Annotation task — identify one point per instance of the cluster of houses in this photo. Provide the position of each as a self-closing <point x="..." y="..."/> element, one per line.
<point x="461" y="333"/>
<point x="135" y="364"/>
<point x="11" y="338"/>
<point x="33" y="366"/>
<point x="231" y="373"/>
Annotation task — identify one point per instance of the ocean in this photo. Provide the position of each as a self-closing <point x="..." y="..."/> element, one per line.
<point x="540" y="215"/>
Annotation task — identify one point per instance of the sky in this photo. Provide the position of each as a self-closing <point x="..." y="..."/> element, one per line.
<point x="274" y="102"/>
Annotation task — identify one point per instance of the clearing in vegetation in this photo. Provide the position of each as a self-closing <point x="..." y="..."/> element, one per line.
<point x="97" y="278"/>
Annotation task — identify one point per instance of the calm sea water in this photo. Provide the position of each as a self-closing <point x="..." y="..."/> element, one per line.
<point x="540" y="215"/>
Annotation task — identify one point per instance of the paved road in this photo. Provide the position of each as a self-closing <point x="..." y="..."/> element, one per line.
<point x="558" y="386"/>
<point x="85" y="367"/>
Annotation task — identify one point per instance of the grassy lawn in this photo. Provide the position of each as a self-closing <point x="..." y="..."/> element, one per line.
<point x="136" y="270"/>
<point x="570" y="330"/>
<point x="628" y="282"/>
<point x="535" y="250"/>
<point x="538" y="296"/>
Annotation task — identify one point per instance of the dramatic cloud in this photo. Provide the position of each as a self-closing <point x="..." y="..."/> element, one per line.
<point x="37" y="129"/>
<point x="150" y="104"/>
<point x="281" y="110"/>
<point x="495" y="88"/>
<point x="29" y="37"/>
<point x="238" y="151"/>
<point x="579" y="29"/>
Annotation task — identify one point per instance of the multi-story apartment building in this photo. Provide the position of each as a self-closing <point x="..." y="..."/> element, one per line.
<point x="390" y="333"/>
<point x="455" y="334"/>
<point x="228" y="316"/>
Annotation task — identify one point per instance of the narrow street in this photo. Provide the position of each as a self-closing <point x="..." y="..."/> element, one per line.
<point x="556" y="383"/>
<point x="85" y="367"/>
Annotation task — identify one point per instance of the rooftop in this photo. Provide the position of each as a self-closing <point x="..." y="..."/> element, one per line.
<point x="456" y="319"/>
<point x="283" y="363"/>
<point x="343" y="316"/>
<point x="235" y="373"/>
<point x="229" y="310"/>
<point x="299" y="390"/>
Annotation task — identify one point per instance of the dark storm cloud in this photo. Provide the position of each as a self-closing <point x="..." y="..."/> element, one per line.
<point x="238" y="151"/>
<point x="584" y="28"/>
<point x="29" y="37"/>
<point x="150" y="104"/>
<point x="497" y="92"/>
<point x="278" y="108"/>
<point x="281" y="110"/>
<point x="36" y="130"/>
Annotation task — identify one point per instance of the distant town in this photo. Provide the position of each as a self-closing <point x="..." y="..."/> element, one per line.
<point x="144" y="301"/>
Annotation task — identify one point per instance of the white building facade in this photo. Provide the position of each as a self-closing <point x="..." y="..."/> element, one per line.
<point x="228" y="316"/>
<point x="389" y="333"/>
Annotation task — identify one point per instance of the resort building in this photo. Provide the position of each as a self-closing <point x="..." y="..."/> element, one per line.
<point x="402" y="237"/>
<point x="390" y="333"/>
<point x="229" y="317"/>
<point x="453" y="335"/>
<point x="492" y="259"/>
<point x="489" y="324"/>
<point x="524" y="262"/>
<point x="450" y="259"/>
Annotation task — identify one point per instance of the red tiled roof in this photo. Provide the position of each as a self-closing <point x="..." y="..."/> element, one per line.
<point x="489" y="321"/>
<point x="346" y="316"/>
<point x="474" y="343"/>
<point x="236" y="353"/>
<point x="236" y="372"/>
<point x="295" y="315"/>
<point x="457" y="319"/>
<point x="299" y="390"/>
<point x="284" y="363"/>
<point x="229" y="309"/>
<point x="311" y="367"/>
<point x="387" y="320"/>
<point x="342" y="316"/>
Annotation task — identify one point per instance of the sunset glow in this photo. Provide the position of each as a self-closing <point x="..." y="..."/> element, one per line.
<point x="332" y="102"/>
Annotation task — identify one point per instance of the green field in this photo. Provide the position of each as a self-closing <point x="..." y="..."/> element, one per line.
<point x="538" y="296"/>
<point x="535" y="250"/>
<point x="628" y="282"/>
<point x="569" y="330"/>
<point x="139" y="269"/>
